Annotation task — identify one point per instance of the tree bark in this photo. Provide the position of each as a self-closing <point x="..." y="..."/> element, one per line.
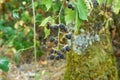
<point x="98" y="62"/>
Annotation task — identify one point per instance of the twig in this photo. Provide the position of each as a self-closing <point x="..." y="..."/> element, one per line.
<point x="24" y="49"/>
<point x="35" y="52"/>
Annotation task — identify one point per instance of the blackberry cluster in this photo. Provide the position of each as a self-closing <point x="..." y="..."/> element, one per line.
<point x="58" y="36"/>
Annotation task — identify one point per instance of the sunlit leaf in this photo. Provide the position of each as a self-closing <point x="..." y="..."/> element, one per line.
<point x="47" y="32"/>
<point x="26" y="16"/>
<point x="48" y="4"/>
<point x="4" y="64"/>
<point x="116" y="6"/>
<point x="69" y="15"/>
<point x="77" y="23"/>
<point x="82" y="9"/>
<point x="46" y="20"/>
<point x="9" y="42"/>
<point x="36" y="4"/>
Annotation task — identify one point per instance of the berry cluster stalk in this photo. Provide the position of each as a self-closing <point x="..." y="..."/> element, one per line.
<point x="58" y="28"/>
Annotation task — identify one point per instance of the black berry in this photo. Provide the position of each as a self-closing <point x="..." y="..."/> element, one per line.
<point x="52" y="56"/>
<point x="56" y="27"/>
<point x="70" y="6"/>
<point x="57" y="57"/>
<point x="95" y="3"/>
<point x="63" y="49"/>
<point x="52" y="39"/>
<point x="67" y="48"/>
<point x="52" y="50"/>
<point x="56" y="41"/>
<point x="65" y="29"/>
<point x="58" y="52"/>
<point x="62" y="56"/>
<point x="68" y="36"/>
<point x="62" y="26"/>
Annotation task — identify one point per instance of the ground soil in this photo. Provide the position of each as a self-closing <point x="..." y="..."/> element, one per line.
<point x="45" y="70"/>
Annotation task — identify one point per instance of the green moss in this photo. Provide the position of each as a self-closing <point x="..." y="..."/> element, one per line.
<point x="98" y="63"/>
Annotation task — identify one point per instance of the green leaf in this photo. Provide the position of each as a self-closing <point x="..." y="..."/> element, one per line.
<point x="10" y="41"/>
<point x="16" y="57"/>
<point x="4" y="64"/>
<point x="26" y="16"/>
<point x="36" y="4"/>
<point x="48" y="4"/>
<point x="109" y="2"/>
<point x="82" y="9"/>
<point x="48" y="19"/>
<point x="47" y="32"/>
<point x="69" y="15"/>
<point x="77" y="23"/>
<point x="1" y="34"/>
<point x="116" y="6"/>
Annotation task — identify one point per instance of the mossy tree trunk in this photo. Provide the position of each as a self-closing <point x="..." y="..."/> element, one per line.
<point x="98" y="62"/>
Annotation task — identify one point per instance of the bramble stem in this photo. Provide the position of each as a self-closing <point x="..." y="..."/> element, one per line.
<point x="34" y="29"/>
<point x="58" y="46"/>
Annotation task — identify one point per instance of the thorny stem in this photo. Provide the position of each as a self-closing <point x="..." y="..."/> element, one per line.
<point x="34" y="25"/>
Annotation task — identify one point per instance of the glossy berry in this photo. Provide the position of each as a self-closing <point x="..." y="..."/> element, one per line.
<point x="52" y="56"/>
<point x="58" y="52"/>
<point x="65" y="30"/>
<point x="62" y="26"/>
<point x="56" y="42"/>
<point x="62" y="56"/>
<point x="70" y="6"/>
<point x="52" y="50"/>
<point x="57" y="57"/>
<point x="56" y="27"/>
<point x="67" y="48"/>
<point x="52" y="39"/>
<point x="63" y="49"/>
<point x="95" y="3"/>
<point x="68" y="36"/>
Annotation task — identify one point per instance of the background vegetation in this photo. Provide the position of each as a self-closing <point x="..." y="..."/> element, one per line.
<point x="24" y="36"/>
